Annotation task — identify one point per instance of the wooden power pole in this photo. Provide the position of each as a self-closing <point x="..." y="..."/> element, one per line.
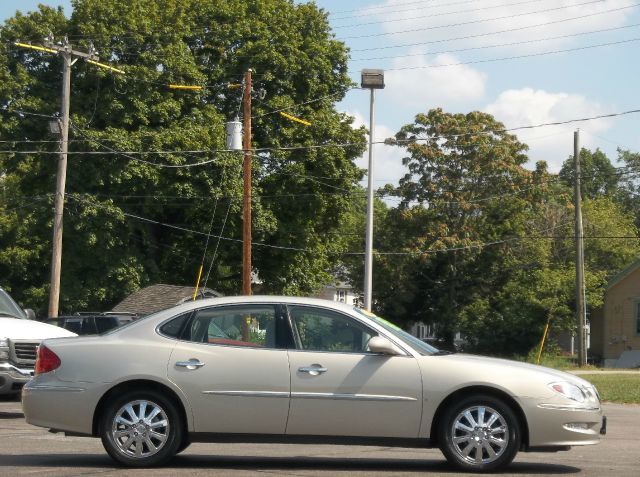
<point x="246" y="197"/>
<point x="579" y="238"/>
<point x="68" y="58"/>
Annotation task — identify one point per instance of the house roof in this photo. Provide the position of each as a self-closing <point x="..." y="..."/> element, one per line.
<point x="160" y="297"/>
<point x="623" y="274"/>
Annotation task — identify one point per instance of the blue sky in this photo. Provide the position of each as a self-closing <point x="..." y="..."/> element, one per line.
<point x="519" y="92"/>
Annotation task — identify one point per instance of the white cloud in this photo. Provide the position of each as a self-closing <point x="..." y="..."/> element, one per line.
<point x="523" y="107"/>
<point x="423" y="87"/>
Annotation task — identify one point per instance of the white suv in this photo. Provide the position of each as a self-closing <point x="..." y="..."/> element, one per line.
<point x="19" y="340"/>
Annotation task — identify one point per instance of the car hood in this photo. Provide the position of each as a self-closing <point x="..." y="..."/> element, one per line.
<point x="501" y="367"/>
<point x="18" y="329"/>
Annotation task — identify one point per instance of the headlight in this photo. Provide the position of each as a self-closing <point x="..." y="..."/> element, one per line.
<point x="4" y="342"/>
<point x="569" y="390"/>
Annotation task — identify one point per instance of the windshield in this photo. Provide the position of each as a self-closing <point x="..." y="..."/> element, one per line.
<point x="8" y="307"/>
<point x="416" y="343"/>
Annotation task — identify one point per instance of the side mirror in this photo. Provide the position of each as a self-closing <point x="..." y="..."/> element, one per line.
<point x="381" y="345"/>
<point x="31" y="315"/>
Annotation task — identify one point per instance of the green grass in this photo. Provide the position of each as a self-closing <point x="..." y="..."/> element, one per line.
<point x="618" y="388"/>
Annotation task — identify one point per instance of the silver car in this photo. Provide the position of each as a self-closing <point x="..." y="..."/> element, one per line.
<point x="282" y="369"/>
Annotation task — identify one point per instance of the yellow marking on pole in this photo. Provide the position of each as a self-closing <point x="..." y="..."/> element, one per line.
<point x="35" y="47"/>
<point x="544" y="337"/>
<point x="293" y="118"/>
<point x="184" y="86"/>
<point x="107" y="67"/>
<point x="195" y="292"/>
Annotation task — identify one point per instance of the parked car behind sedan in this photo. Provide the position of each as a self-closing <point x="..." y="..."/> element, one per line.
<point x="242" y="369"/>
<point x="90" y="324"/>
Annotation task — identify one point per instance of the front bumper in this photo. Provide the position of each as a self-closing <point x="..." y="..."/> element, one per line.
<point x="558" y="425"/>
<point x="13" y="378"/>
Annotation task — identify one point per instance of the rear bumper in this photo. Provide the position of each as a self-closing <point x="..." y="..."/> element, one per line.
<point x="12" y="378"/>
<point x="62" y="407"/>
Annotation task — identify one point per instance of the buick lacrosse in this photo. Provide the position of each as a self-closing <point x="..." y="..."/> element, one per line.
<point x="282" y="369"/>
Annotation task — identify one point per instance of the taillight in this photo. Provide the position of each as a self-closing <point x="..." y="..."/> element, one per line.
<point x="46" y="360"/>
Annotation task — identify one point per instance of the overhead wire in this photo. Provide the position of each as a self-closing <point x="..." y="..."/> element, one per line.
<point x="516" y="57"/>
<point x="497" y="32"/>
<point x="498" y="45"/>
<point x="472" y="22"/>
<point x="441" y="14"/>
<point x="342" y="145"/>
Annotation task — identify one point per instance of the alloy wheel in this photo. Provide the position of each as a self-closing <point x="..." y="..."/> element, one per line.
<point x="480" y="435"/>
<point x="140" y="429"/>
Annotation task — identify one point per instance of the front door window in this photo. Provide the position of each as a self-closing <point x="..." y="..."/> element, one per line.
<point x="317" y="329"/>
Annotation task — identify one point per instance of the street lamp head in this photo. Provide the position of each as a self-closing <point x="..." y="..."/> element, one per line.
<point x="372" y="79"/>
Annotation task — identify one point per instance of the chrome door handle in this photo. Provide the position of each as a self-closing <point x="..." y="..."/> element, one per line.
<point x="191" y="364"/>
<point x="314" y="370"/>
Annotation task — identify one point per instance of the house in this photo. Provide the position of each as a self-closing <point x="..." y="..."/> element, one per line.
<point x="341" y="292"/>
<point x="615" y="328"/>
<point x="160" y="297"/>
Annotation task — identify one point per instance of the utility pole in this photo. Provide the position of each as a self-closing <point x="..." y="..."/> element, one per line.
<point x="69" y="57"/>
<point x="579" y="238"/>
<point x="246" y="197"/>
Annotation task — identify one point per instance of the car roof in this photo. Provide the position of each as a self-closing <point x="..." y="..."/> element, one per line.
<point x="258" y="299"/>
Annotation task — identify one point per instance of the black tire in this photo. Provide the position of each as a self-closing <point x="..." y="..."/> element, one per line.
<point x="146" y="442"/>
<point x="183" y="445"/>
<point x="479" y="448"/>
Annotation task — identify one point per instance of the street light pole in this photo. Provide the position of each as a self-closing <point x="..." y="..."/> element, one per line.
<point x="372" y="80"/>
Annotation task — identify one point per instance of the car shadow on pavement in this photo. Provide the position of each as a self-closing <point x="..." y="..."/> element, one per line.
<point x="257" y="463"/>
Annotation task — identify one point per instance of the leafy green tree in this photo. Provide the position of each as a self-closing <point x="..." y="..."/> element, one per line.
<point x="488" y="245"/>
<point x="114" y="239"/>
<point x="598" y="175"/>
<point x="466" y="188"/>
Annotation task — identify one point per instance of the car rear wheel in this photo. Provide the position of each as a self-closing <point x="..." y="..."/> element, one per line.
<point x="479" y="433"/>
<point x="141" y="429"/>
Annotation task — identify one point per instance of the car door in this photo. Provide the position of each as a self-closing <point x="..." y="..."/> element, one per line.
<point x="339" y="388"/>
<point x="232" y="364"/>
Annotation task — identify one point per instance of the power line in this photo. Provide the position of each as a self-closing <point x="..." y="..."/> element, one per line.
<point x="498" y="45"/>
<point x="508" y="30"/>
<point x="342" y="145"/>
<point x="364" y="10"/>
<point x="472" y="22"/>
<point x="530" y="55"/>
<point x="432" y="15"/>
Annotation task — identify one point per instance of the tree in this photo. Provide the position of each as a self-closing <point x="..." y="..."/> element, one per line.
<point x="130" y="222"/>
<point x="465" y="196"/>
<point x="484" y="246"/>
<point x="598" y="176"/>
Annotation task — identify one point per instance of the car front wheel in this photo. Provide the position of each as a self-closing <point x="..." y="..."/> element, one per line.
<point x="141" y="429"/>
<point x="479" y="433"/>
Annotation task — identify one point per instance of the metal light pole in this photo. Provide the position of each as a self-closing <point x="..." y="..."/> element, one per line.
<point x="372" y="80"/>
<point x="579" y="239"/>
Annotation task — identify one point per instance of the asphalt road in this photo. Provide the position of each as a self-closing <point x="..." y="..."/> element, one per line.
<point x="27" y="450"/>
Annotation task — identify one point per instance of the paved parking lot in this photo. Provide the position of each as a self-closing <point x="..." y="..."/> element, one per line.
<point x="27" y="450"/>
